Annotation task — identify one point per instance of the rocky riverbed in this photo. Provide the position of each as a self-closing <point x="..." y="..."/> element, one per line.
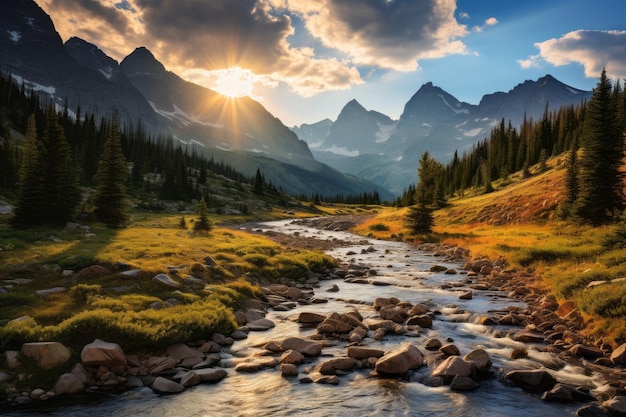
<point x="523" y="340"/>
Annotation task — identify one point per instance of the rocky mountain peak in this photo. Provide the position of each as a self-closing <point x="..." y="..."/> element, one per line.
<point x="90" y="56"/>
<point x="142" y="61"/>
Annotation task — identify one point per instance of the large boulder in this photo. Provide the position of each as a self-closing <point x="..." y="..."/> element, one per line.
<point x="357" y="352"/>
<point x="615" y="406"/>
<point x="400" y="361"/>
<point x="394" y="313"/>
<point x="480" y="359"/>
<point x="211" y="375"/>
<point x="342" y="364"/>
<point x="48" y="355"/>
<point x="180" y="351"/>
<point x="310" y="318"/>
<point x="68" y="384"/>
<point x="451" y="367"/>
<point x="103" y="353"/>
<point x="165" y="386"/>
<point x="534" y="380"/>
<point x="618" y="357"/>
<point x="306" y="347"/>
<point x="166" y="281"/>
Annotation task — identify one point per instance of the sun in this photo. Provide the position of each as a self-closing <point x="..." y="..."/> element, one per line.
<point x="234" y="82"/>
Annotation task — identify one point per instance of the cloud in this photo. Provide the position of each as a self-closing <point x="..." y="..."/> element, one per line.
<point x="488" y="22"/>
<point x="593" y="49"/>
<point x="200" y="36"/>
<point x="388" y="34"/>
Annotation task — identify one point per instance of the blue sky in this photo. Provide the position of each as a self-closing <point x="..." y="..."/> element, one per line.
<point x="305" y="59"/>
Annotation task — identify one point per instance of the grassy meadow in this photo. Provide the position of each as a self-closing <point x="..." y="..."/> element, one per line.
<point x="121" y="308"/>
<point x="519" y="221"/>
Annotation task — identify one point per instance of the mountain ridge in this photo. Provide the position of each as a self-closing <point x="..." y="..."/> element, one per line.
<point x="77" y="75"/>
<point x="433" y="120"/>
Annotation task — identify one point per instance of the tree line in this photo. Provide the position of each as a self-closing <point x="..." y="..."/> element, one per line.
<point x="592" y="134"/>
<point x="65" y="153"/>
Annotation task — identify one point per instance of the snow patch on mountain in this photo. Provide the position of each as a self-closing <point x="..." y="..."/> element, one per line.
<point x="342" y="151"/>
<point x="384" y="132"/>
<point x="185" y="118"/>
<point x="107" y="72"/>
<point x="51" y="90"/>
<point x="454" y="109"/>
<point x="14" y="36"/>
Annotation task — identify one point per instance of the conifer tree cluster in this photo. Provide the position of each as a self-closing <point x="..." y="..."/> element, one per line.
<point x="66" y="153"/>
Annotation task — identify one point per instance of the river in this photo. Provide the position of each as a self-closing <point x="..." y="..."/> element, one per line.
<point x="406" y="269"/>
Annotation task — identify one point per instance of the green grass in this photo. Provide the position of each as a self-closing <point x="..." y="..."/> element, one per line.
<point x="90" y="308"/>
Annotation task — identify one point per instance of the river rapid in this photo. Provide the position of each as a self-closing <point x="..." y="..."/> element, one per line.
<point x="405" y="270"/>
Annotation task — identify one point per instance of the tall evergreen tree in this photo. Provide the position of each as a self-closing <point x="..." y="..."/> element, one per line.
<point x="48" y="190"/>
<point x="111" y="200"/>
<point x="203" y="225"/>
<point x="430" y="191"/>
<point x="601" y="195"/>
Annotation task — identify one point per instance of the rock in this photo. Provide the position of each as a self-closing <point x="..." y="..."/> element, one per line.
<point x="479" y="358"/>
<point x="91" y="272"/>
<point x="103" y="353"/>
<point x="618" y="357"/>
<point x="451" y="367"/>
<point x="48" y="355"/>
<point x="526" y="336"/>
<point x="291" y="357"/>
<point x="11" y="360"/>
<point x="438" y="268"/>
<point x="466" y="296"/>
<point x="423" y="321"/>
<point x="239" y="335"/>
<point x="380" y="302"/>
<point x="49" y="291"/>
<point x="592" y="410"/>
<point x="450" y="350"/>
<point x="432" y="344"/>
<point x="306" y="347"/>
<point x="360" y="353"/>
<point x="160" y="364"/>
<point x="394" y="313"/>
<point x="165" y="280"/>
<point x="288" y="370"/>
<point x="36" y="394"/>
<point x="564" y="393"/>
<point x="615" y="406"/>
<point x="310" y="318"/>
<point x="330" y="366"/>
<point x="180" y="351"/>
<point x="261" y="325"/>
<point x="132" y="273"/>
<point x="68" y="384"/>
<point x="400" y="360"/>
<point x="211" y="375"/>
<point x="190" y="379"/>
<point x="164" y="386"/>
<point x="419" y="310"/>
<point x="463" y="383"/>
<point x="588" y="352"/>
<point x="535" y="380"/>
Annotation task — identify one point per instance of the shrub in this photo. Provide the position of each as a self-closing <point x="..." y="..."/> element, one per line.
<point x="16" y="299"/>
<point x="608" y="301"/>
<point x="80" y="294"/>
<point x="379" y="227"/>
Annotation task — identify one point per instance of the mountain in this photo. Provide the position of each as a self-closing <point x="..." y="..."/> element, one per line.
<point x="434" y="121"/>
<point x="315" y="133"/>
<point x="78" y="75"/>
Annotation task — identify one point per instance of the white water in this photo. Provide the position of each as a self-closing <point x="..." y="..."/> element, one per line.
<point x="268" y="394"/>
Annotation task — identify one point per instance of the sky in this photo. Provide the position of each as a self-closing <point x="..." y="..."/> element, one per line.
<point x="303" y="60"/>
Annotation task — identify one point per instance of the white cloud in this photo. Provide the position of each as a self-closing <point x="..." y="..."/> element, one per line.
<point x="593" y="49"/>
<point x="392" y="35"/>
<point x="492" y="21"/>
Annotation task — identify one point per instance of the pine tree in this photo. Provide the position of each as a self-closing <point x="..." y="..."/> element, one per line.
<point x="601" y="193"/>
<point x="48" y="190"/>
<point x="259" y="181"/>
<point x="203" y="224"/>
<point x="420" y="220"/>
<point x="111" y="200"/>
<point x="429" y="192"/>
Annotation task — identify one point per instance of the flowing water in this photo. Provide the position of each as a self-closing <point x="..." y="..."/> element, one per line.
<point x="407" y="270"/>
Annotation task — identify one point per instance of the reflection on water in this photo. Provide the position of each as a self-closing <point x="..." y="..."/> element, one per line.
<point x="407" y="270"/>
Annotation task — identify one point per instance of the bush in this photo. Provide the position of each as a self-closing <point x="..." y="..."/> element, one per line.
<point x="82" y="293"/>
<point x="607" y="301"/>
<point x="379" y="227"/>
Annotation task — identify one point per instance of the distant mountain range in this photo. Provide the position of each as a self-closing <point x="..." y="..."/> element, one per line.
<point x="372" y="146"/>
<point x="361" y="151"/>
<point x="78" y="75"/>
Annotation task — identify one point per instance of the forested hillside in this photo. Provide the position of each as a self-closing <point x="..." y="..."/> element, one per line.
<point x="50" y="155"/>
